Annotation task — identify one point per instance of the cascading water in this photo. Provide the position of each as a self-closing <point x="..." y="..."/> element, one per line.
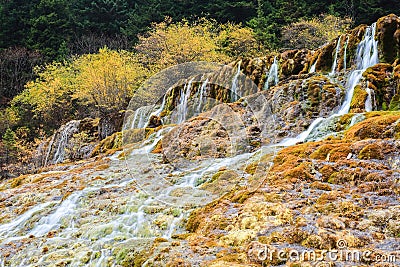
<point x="111" y="209"/>
<point x="48" y="223"/>
<point x="345" y="54"/>
<point x="366" y="56"/>
<point x="235" y="85"/>
<point x="11" y="228"/>
<point x="141" y="117"/>
<point x="272" y="75"/>
<point x="59" y="142"/>
<point x="111" y="212"/>
<point x="334" y="64"/>
<point x="202" y="90"/>
<point x="182" y="108"/>
<point x="312" y="69"/>
<point x="162" y="106"/>
<point x="368" y="101"/>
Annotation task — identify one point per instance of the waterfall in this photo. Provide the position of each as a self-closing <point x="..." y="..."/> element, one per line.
<point x="160" y="109"/>
<point x="272" y="75"/>
<point x="367" y="50"/>
<point x="141" y="117"/>
<point x="234" y="87"/>
<point x="368" y="101"/>
<point x="345" y="54"/>
<point x="59" y="142"/>
<point x="203" y="88"/>
<point x="312" y="69"/>
<point x="334" y="64"/>
<point x="366" y="56"/>
<point x="302" y="137"/>
<point x="183" y="101"/>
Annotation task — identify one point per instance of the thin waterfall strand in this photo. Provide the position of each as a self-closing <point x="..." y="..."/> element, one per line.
<point x="234" y="87"/>
<point x="312" y="69"/>
<point x="334" y="64"/>
<point x="141" y="117"/>
<point x="345" y="54"/>
<point x="183" y="101"/>
<point x="203" y="88"/>
<point x="367" y="56"/>
<point x="272" y="76"/>
<point x="368" y="101"/>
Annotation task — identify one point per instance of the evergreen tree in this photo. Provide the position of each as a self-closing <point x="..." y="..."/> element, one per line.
<point x="9" y="146"/>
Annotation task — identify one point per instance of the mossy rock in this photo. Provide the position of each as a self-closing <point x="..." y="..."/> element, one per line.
<point x="348" y="176"/>
<point x="325" y="58"/>
<point x="395" y="103"/>
<point x="113" y="141"/>
<point x="377" y="125"/>
<point x="371" y="151"/>
<point x="358" y="101"/>
<point x="300" y="172"/>
<point x="132" y="257"/>
<point x="381" y="79"/>
<point x="327" y="171"/>
<point x="321" y="186"/>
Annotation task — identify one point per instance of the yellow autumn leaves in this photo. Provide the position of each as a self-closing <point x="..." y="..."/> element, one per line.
<point x="104" y="82"/>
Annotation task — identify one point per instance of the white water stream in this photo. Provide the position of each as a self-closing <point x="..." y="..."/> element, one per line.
<point x="366" y="56"/>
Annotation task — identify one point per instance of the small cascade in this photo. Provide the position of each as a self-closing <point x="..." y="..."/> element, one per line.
<point x="358" y="117"/>
<point x="235" y="85"/>
<point x="202" y="90"/>
<point x="183" y="102"/>
<point x="345" y="54"/>
<point x="149" y="144"/>
<point x="10" y="228"/>
<point x="141" y="117"/>
<point x="312" y="69"/>
<point x="161" y="108"/>
<point x="272" y="76"/>
<point x="52" y="221"/>
<point x="173" y="226"/>
<point x="334" y="64"/>
<point x="59" y="142"/>
<point x="367" y="50"/>
<point x="303" y="136"/>
<point x="368" y="101"/>
<point x="366" y="56"/>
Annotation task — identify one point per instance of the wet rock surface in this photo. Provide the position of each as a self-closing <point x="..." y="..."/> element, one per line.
<point x="218" y="188"/>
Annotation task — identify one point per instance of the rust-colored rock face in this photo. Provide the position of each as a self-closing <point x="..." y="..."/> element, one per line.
<point x="220" y="187"/>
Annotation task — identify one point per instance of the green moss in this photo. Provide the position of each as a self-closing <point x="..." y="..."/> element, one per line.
<point x="131" y="258"/>
<point x="395" y="103"/>
<point x="241" y="196"/>
<point x="344" y="121"/>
